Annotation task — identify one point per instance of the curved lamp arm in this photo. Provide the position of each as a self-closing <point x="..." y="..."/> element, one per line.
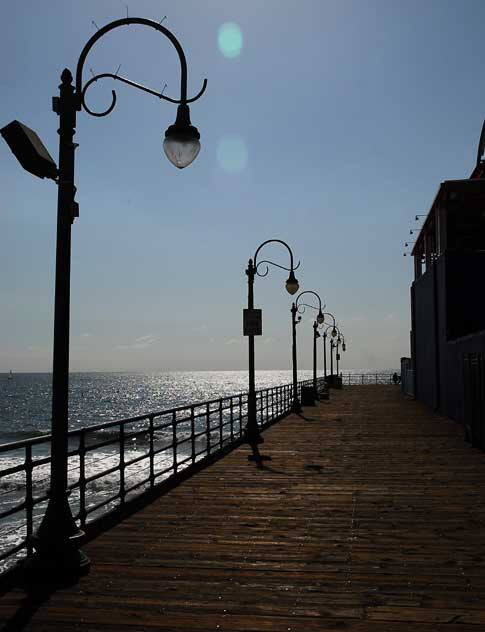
<point x="277" y="265"/>
<point x="309" y="292"/>
<point x="301" y="310"/>
<point x="80" y="91"/>
<point x="268" y="241"/>
<point x="333" y="328"/>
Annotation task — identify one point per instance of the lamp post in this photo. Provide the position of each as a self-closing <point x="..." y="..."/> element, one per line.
<point x="252" y="433"/>
<point x="57" y="539"/>
<point x="332" y="345"/>
<point x="337" y="355"/>
<point x="340" y="340"/>
<point x="333" y="327"/>
<point x="316" y="334"/>
<point x="300" y="307"/>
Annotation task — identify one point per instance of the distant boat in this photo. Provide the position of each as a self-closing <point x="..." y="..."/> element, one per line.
<point x="10" y="375"/>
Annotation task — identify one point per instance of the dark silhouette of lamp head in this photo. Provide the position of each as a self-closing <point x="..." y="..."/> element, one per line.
<point x="29" y="150"/>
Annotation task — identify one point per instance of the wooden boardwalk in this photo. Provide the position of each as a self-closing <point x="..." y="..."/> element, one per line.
<point x="370" y="517"/>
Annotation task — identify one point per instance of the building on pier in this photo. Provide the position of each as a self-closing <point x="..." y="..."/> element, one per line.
<point x="448" y="303"/>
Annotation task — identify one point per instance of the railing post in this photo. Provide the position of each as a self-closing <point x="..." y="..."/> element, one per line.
<point x="231" y="417"/>
<point x="240" y="415"/>
<point x="151" y="451"/>
<point x="122" y="463"/>
<point x="362" y="376"/>
<point x="208" y="428"/>
<point x="192" y="433"/>
<point x="221" y="438"/>
<point x="29" y="498"/>
<point x="82" y="478"/>
<point x="174" y="441"/>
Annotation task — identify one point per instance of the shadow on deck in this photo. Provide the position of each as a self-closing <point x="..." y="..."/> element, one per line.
<point x="370" y="517"/>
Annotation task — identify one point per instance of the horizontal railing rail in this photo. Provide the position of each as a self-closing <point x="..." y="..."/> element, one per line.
<point x="355" y="379"/>
<point x="113" y="462"/>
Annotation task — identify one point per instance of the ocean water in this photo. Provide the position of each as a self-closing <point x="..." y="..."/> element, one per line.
<point x="95" y="398"/>
<point x="25" y="400"/>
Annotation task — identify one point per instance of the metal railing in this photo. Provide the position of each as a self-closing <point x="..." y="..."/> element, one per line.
<point x="355" y="379"/>
<point x="113" y="462"/>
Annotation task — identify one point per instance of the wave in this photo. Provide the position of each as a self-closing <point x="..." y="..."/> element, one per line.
<point x="18" y="435"/>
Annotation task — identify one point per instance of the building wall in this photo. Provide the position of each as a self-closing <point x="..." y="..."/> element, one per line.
<point x="452" y="372"/>
<point x="424" y="338"/>
<point x="442" y="301"/>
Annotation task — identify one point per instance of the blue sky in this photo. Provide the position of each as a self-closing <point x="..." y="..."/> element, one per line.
<point x="346" y="116"/>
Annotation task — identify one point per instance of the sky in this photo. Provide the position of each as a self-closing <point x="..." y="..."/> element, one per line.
<point x="326" y="123"/>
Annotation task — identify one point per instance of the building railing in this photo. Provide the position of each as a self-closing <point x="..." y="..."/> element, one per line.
<point x="355" y="379"/>
<point x="113" y="462"/>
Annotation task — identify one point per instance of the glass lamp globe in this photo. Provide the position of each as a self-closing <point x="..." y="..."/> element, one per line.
<point x="181" y="144"/>
<point x="334" y="332"/>
<point x="181" y="152"/>
<point x="343" y="347"/>
<point x="292" y="284"/>
<point x="320" y="318"/>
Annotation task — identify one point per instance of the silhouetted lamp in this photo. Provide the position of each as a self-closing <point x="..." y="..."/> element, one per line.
<point x="29" y="150"/>
<point x="252" y="434"/>
<point x="334" y="332"/>
<point x="181" y="144"/>
<point x="58" y="538"/>
<point x="292" y="284"/>
<point x="299" y="307"/>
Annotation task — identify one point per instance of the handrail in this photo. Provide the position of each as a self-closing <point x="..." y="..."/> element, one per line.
<point x="363" y="379"/>
<point x="140" y="453"/>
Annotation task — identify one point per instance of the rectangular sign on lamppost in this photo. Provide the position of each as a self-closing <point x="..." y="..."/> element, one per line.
<point x="252" y="322"/>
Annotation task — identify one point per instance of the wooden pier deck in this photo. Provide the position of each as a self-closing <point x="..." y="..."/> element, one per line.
<point x="369" y="518"/>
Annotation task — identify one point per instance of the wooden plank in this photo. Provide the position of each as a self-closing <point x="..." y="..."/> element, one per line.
<point x="370" y="517"/>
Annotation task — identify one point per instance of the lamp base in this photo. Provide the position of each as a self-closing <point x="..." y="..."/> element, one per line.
<point x="62" y="565"/>
<point x="57" y="558"/>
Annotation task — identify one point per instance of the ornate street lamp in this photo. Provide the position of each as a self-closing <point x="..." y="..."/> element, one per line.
<point x="324" y="336"/>
<point x="317" y="323"/>
<point x="300" y="308"/>
<point x="58" y="538"/>
<point x="252" y="327"/>
<point x="340" y="340"/>
<point x="333" y="345"/>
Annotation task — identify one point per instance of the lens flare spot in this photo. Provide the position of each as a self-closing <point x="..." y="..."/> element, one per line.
<point x="232" y="153"/>
<point x="230" y="40"/>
